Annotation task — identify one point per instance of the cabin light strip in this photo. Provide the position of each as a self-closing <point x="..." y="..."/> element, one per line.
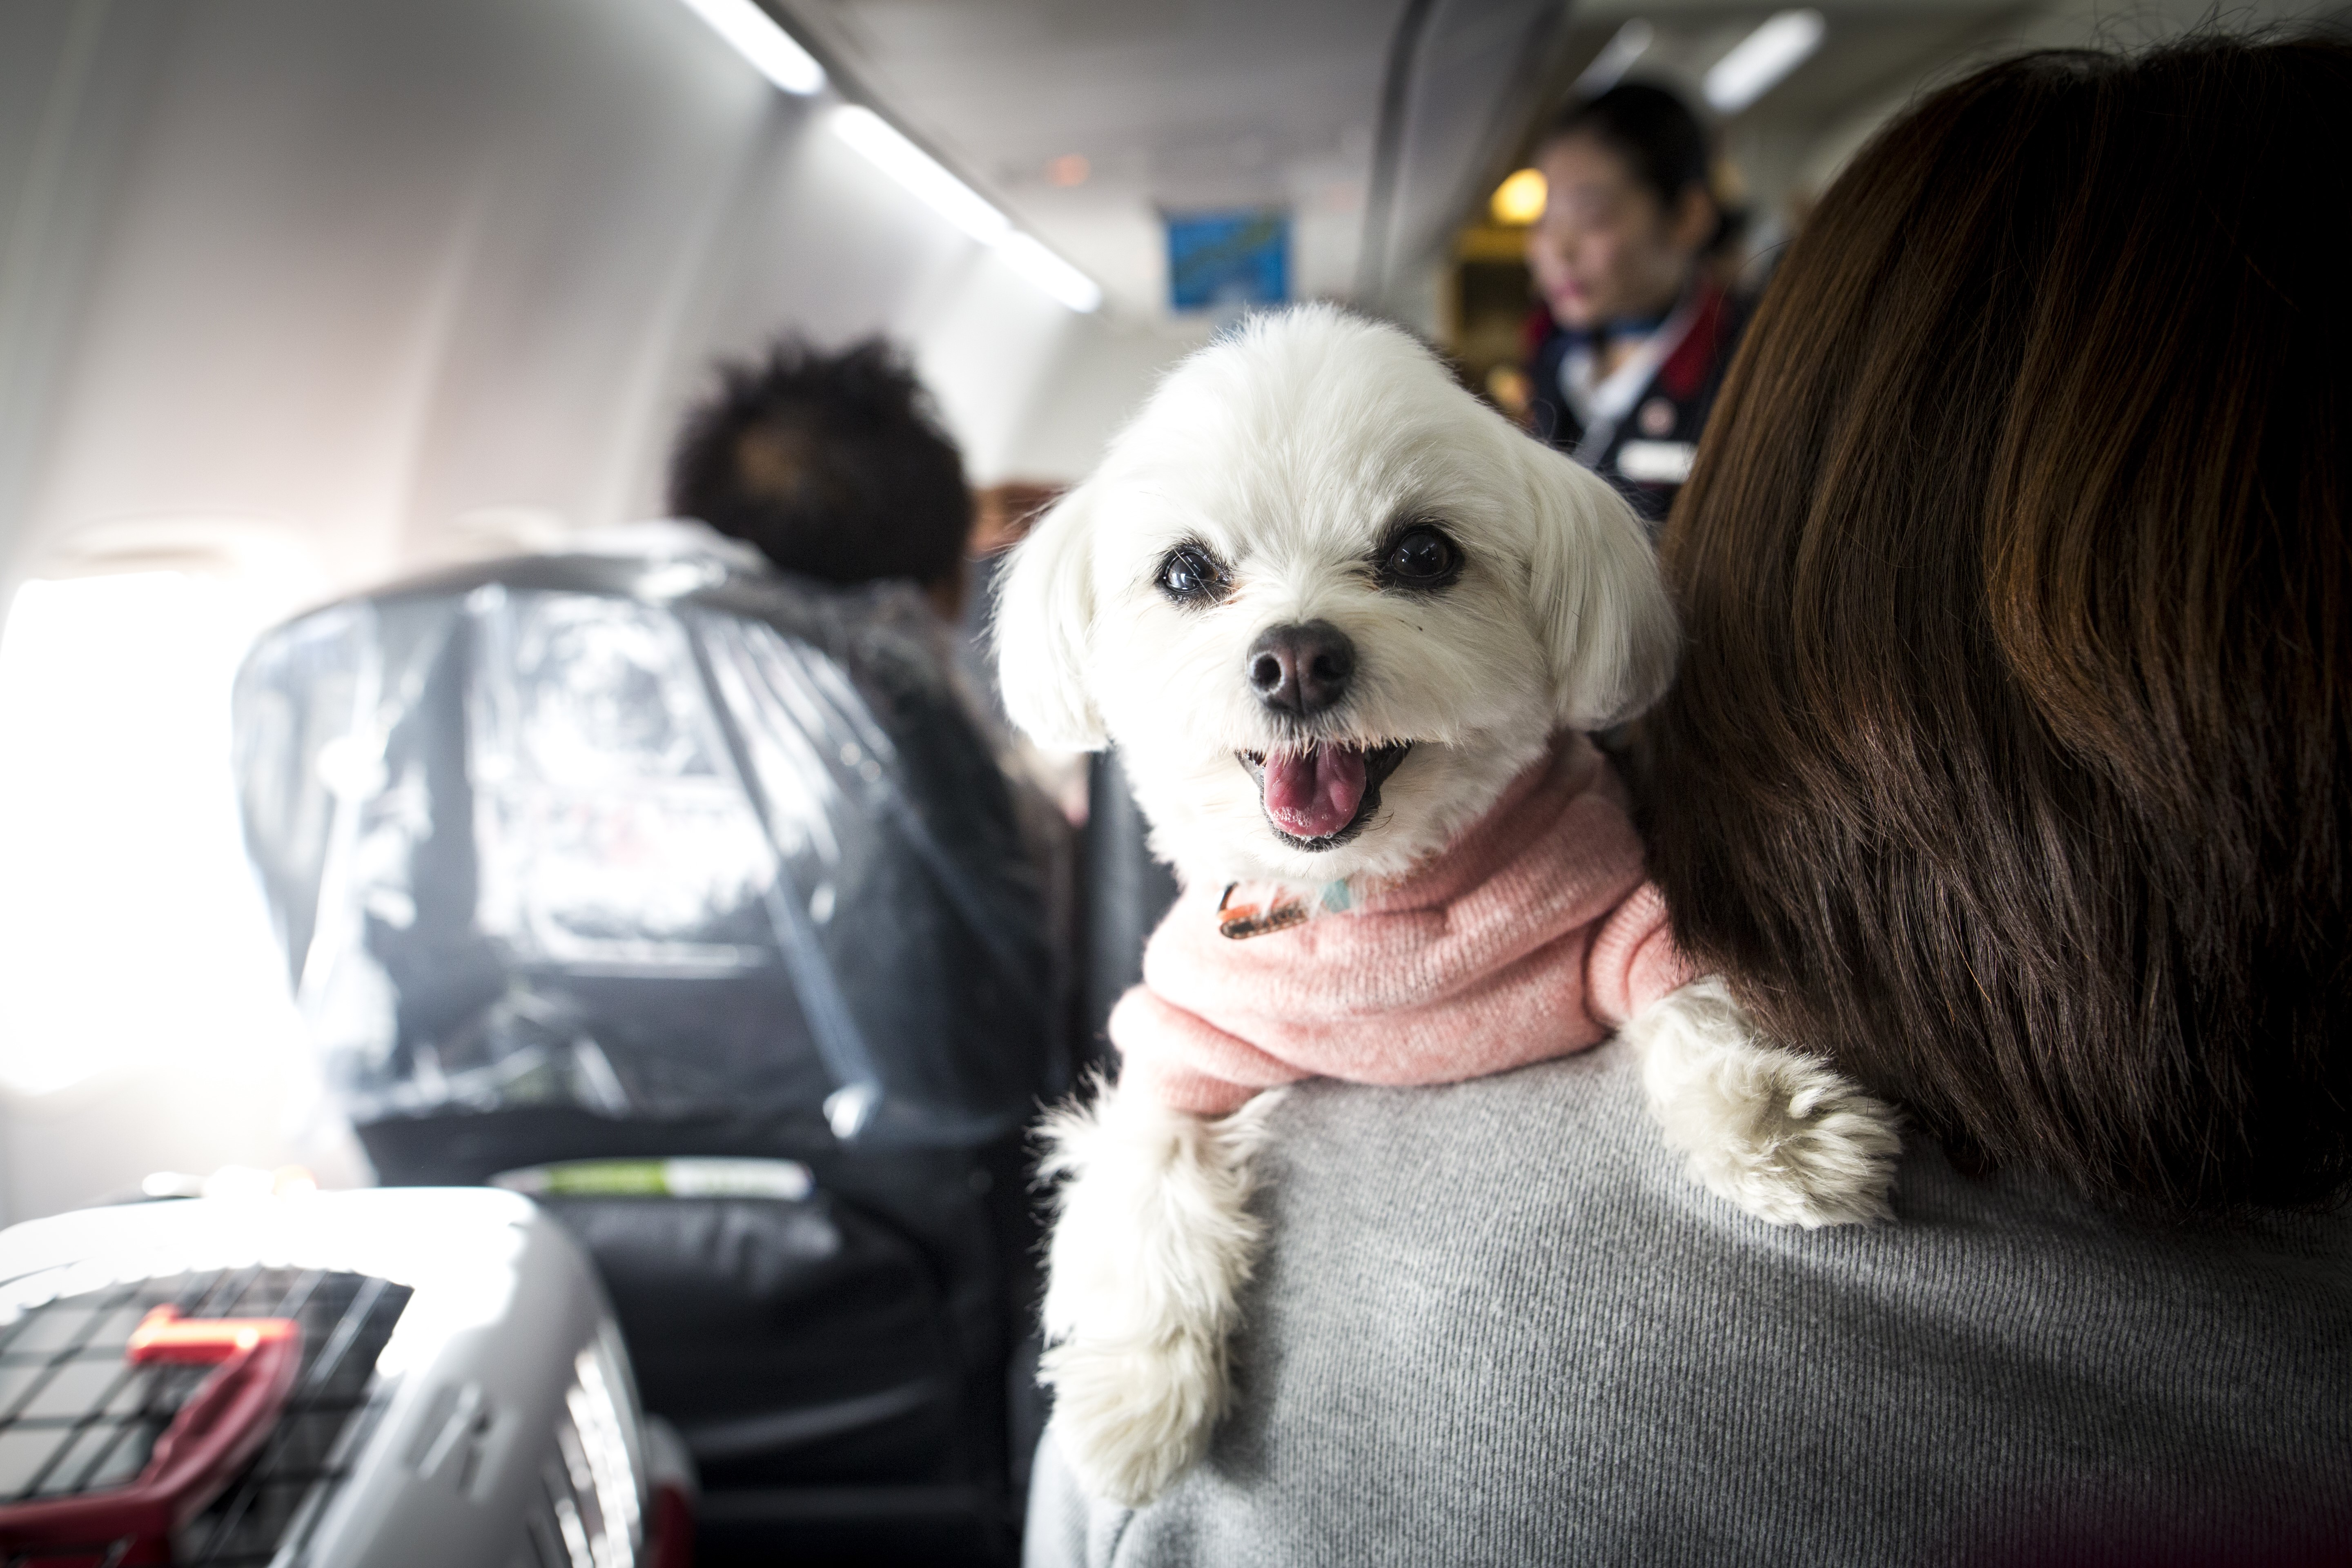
<point x="1032" y="260"/>
<point x="889" y="150"/>
<point x="1756" y="64"/>
<point x="775" y="53"/>
<point x="779" y="57"/>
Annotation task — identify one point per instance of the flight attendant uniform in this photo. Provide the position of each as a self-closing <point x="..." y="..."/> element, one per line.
<point x="1639" y="427"/>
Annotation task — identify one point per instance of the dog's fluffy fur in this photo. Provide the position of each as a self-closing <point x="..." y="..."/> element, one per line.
<point x="1784" y="1136"/>
<point x="1152" y="1244"/>
<point x="1291" y="452"/>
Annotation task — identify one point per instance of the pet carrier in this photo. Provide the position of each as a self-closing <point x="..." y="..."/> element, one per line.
<point x="345" y="1380"/>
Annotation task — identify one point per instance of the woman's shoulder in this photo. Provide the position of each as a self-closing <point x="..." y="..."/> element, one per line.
<point x="1570" y="1143"/>
<point x="1497" y="1322"/>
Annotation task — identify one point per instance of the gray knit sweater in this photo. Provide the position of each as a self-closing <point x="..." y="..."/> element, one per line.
<point x="1497" y="1325"/>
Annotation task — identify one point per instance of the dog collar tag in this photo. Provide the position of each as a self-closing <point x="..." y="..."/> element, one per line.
<point x="1241" y="921"/>
<point x="1337" y="898"/>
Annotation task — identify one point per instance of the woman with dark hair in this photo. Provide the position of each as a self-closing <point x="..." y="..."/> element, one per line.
<point x="1639" y="333"/>
<point x="2010" y="764"/>
<point x="2013" y="772"/>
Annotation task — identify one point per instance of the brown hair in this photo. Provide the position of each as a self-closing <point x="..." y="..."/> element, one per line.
<point x="2008" y="764"/>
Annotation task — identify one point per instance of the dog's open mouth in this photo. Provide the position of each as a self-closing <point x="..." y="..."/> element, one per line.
<point x="1321" y="795"/>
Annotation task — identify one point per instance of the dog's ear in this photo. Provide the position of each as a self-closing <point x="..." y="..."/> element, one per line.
<point x="1043" y="625"/>
<point x="1599" y="600"/>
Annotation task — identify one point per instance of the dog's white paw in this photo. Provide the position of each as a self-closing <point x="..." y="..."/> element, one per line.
<point x="1132" y="1416"/>
<point x="1152" y="1245"/>
<point x="1785" y="1137"/>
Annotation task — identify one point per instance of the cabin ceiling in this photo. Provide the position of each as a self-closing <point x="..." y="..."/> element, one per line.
<point x="1867" y="51"/>
<point x="1197" y="104"/>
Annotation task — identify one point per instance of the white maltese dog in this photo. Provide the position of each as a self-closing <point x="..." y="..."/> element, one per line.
<point x="1348" y="628"/>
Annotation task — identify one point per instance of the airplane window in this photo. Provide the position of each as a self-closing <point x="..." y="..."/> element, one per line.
<point x="133" y="927"/>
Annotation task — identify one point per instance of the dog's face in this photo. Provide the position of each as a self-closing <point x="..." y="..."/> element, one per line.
<point x="1326" y="605"/>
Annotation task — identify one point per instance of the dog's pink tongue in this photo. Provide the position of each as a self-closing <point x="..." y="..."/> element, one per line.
<point x="1314" y="794"/>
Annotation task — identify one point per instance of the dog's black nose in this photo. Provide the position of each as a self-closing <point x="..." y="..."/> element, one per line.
<point x="1301" y="669"/>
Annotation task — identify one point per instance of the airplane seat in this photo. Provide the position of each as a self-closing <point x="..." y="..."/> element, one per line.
<point x="688" y="898"/>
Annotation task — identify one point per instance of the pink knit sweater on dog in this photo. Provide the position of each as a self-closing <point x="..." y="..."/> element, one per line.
<point x="1533" y="934"/>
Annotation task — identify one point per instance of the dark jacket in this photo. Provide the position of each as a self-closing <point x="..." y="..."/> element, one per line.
<point x="1646" y="454"/>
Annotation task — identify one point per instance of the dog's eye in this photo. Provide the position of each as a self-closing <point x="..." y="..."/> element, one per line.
<point x="1190" y="576"/>
<point x="1422" y="557"/>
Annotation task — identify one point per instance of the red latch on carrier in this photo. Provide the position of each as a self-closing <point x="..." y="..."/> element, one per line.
<point x="215" y="1433"/>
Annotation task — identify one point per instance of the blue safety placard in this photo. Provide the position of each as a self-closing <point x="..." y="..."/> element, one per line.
<point x="1230" y="257"/>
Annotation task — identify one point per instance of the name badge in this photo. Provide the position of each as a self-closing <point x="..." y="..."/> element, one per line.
<point x="1656" y="462"/>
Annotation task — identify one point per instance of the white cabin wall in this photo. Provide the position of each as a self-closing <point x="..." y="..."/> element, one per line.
<point x="369" y="270"/>
<point x="1100" y="378"/>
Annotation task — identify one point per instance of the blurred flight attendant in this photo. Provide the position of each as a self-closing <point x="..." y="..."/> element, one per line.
<point x="1640" y="329"/>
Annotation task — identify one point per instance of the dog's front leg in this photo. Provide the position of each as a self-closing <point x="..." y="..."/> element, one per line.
<point x="1152" y="1243"/>
<point x="1786" y="1137"/>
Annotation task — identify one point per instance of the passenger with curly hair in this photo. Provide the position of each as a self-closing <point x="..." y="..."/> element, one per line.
<point x="832" y="466"/>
